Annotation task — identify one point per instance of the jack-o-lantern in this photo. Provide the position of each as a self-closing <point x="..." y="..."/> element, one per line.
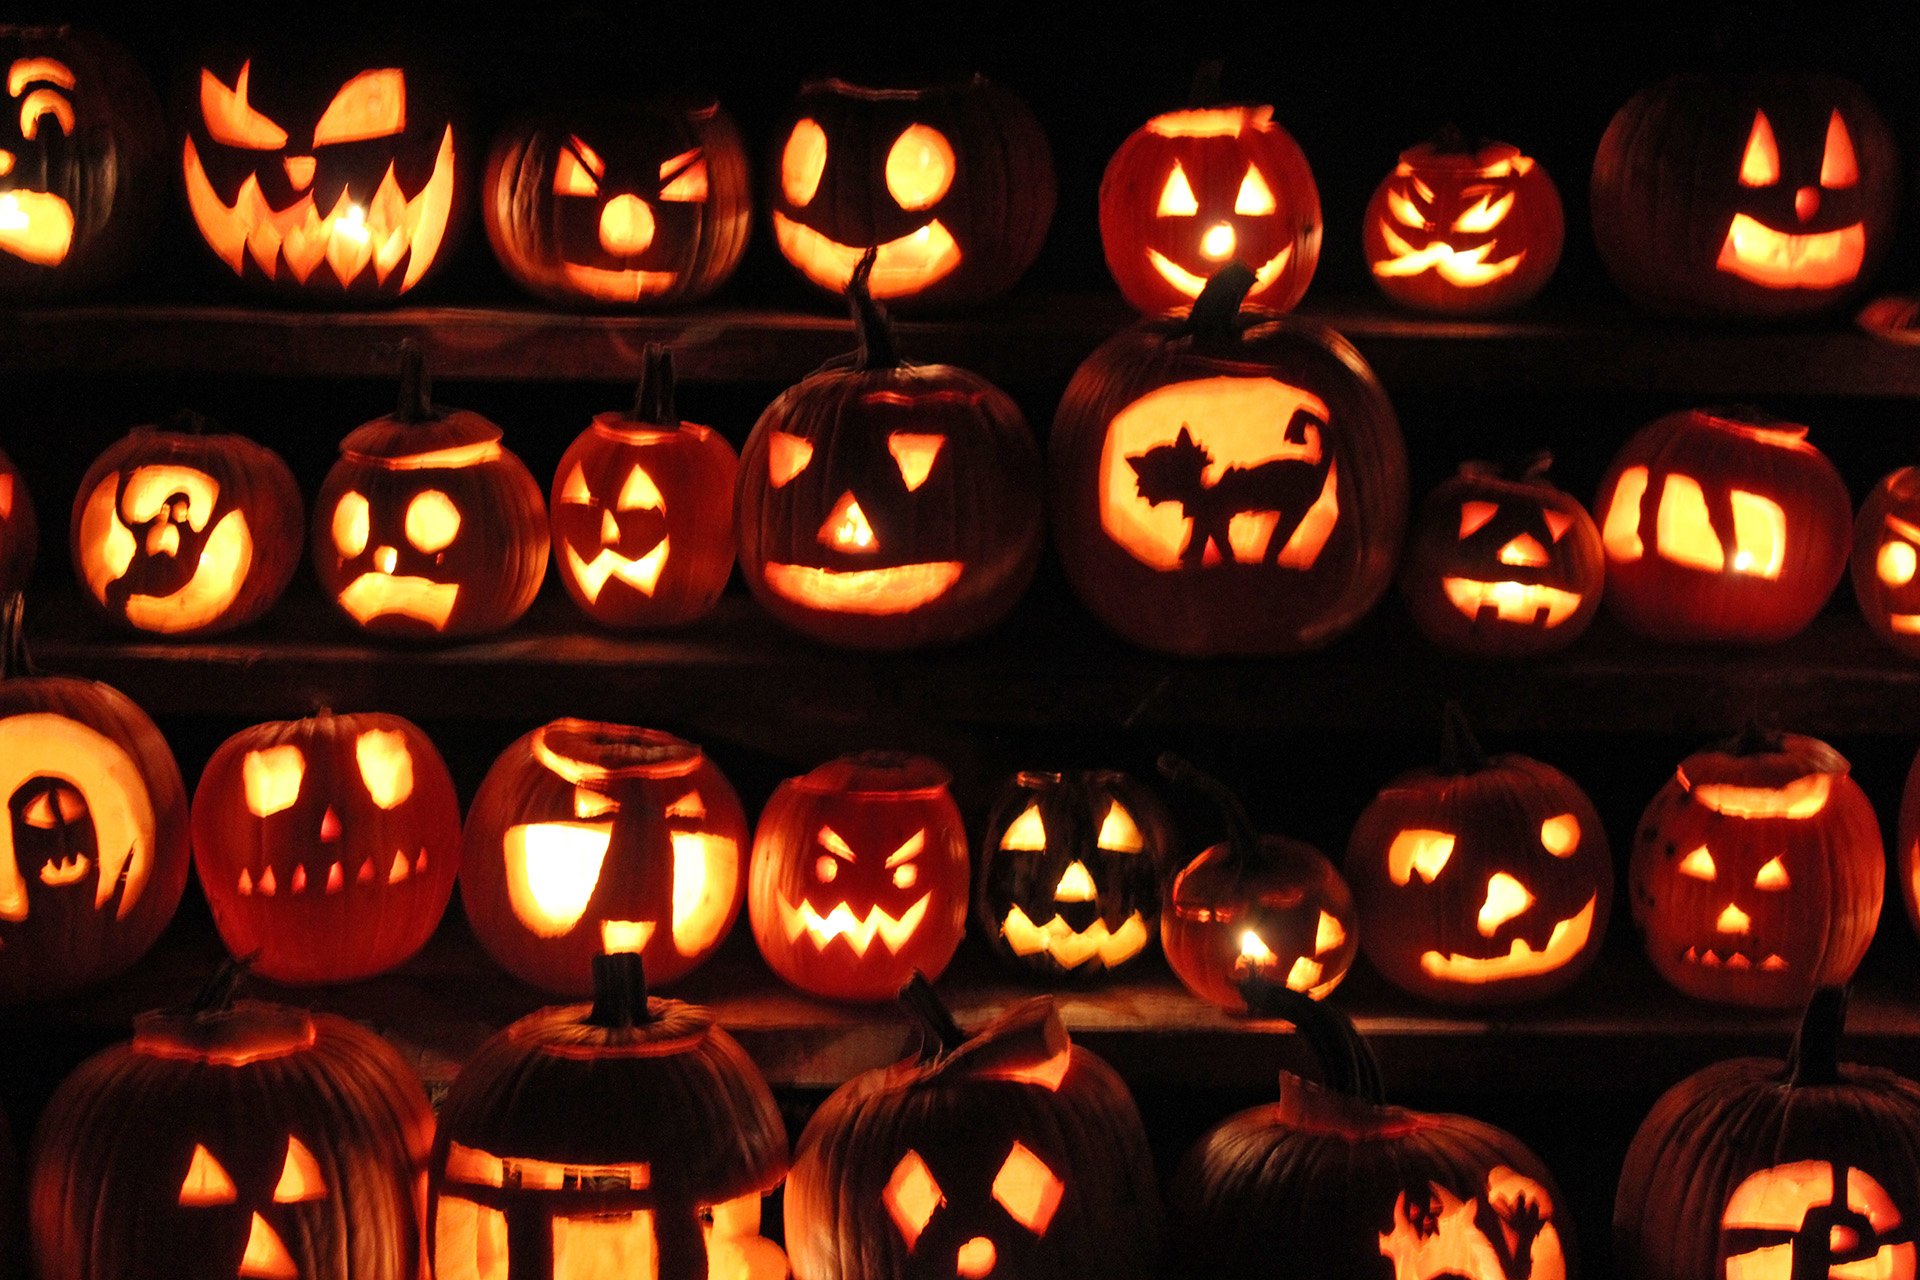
<point x="1228" y="482"/>
<point x="184" y="530"/>
<point x="234" y="1140"/>
<point x="950" y="186"/>
<point x="886" y="505"/>
<point x="1070" y="871"/>
<point x="82" y="161"/>
<point x="859" y="876"/>
<point x="1907" y="852"/>
<point x="1190" y="191"/>
<point x="327" y="847"/>
<point x="1482" y="881"/>
<point x="628" y="205"/>
<point x="642" y="511"/>
<point x="322" y="178"/>
<point x="1748" y="197"/>
<point x="1464" y="227"/>
<point x="1886" y="560"/>
<point x="1757" y="1169"/>
<point x="1758" y="872"/>
<point x="631" y="1139"/>
<point x="94" y="847"/>
<point x="1013" y="1152"/>
<point x="589" y="839"/>
<point x="19" y="529"/>
<point x="1502" y="564"/>
<point x="1722" y="526"/>
<point x="1254" y="906"/>
<point x="428" y="527"/>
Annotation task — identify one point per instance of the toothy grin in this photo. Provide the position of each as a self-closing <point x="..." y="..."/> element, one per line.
<point x="900" y="588"/>
<point x="267" y="885"/>
<point x="1072" y="948"/>
<point x="1779" y="260"/>
<point x="1190" y="284"/>
<point x="1907" y="624"/>
<point x="66" y="871"/>
<point x="643" y="575"/>
<point x="1467" y="268"/>
<point x="1521" y="960"/>
<point x="1525" y="603"/>
<point x="859" y="933"/>
<point x="906" y="264"/>
<point x="1733" y="959"/>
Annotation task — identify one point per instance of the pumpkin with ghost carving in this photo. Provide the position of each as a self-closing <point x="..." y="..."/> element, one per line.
<point x="185" y="530"/>
<point x="19" y="529"/>
<point x="1011" y="1152"/>
<point x="327" y="847"/>
<point x="234" y="1140"/>
<point x="1759" y="196"/>
<point x="428" y="528"/>
<point x="1758" y="1169"/>
<point x="1886" y="560"/>
<point x="589" y="839"/>
<point x="94" y="847"/>
<point x="1758" y="872"/>
<point x="642" y="511"/>
<point x="1722" y="526"/>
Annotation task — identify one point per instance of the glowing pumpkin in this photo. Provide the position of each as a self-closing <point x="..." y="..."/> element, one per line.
<point x="1907" y="850"/>
<point x="1886" y="560"/>
<point x="19" y="530"/>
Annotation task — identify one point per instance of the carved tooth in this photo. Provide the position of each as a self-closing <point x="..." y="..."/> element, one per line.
<point x="246" y="883"/>
<point x="336" y="879"/>
<point x="1709" y="959"/>
<point x="1773" y="964"/>
<point x="366" y="872"/>
<point x="267" y="884"/>
<point x="1738" y="961"/>
<point x="299" y="884"/>
<point x="399" y="870"/>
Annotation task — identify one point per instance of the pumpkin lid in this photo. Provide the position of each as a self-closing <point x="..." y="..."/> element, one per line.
<point x="1452" y="151"/>
<point x="419" y="434"/>
<point x="1747" y="420"/>
<point x="1763" y="774"/>
<point x="622" y="1022"/>
<point x="1351" y="1100"/>
<point x="218" y="1030"/>
<point x="582" y="751"/>
<point x="1026" y="1044"/>
<point x="895" y="775"/>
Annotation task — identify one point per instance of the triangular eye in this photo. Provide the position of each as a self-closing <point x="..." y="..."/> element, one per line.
<point x="206" y="1181"/>
<point x="685" y="177"/>
<point x="1176" y="198"/>
<point x="1474" y="516"/>
<point x="1255" y="198"/>
<point x="1485" y="214"/>
<point x="1558" y="522"/>
<point x="1773" y="876"/>
<point x="588" y="803"/>
<point x="787" y="456"/>
<point x="371" y="105"/>
<point x="577" y="171"/>
<point x="1404" y="211"/>
<point x="574" y="490"/>
<point x="640" y="493"/>
<point x="1028" y="1190"/>
<point x="230" y="120"/>
<point x="1698" y="865"/>
<point x="689" y="806"/>
<point x="1026" y="833"/>
<point x="1760" y="164"/>
<point x="299" y="1176"/>
<point x="911" y="1196"/>
<point x="1119" y="833"/>
<point x="914" y="455"/>
<point x="1838" y="167"/>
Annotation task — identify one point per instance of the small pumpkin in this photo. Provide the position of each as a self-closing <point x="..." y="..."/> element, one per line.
<point x="19" y="530"/>
<point x="1886" y="560"/>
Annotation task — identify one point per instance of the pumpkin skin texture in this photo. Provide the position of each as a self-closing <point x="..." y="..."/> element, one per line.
<point x="1886" y="547"/>
<point x="94" y="848"/>
<point x="639" y="1115"/>
<point x="859" y="876"/>
<point x="1907" y="855"/>
<point x="1013" y="1153"/>
<point x="951" y="184"/>
<point x="1758" y="197"/>
<point x="1722" y="526"/>
<point x="19" y="529"/>
<point x="1762" y="1168"/>
<point x="629" y="204"/>
<point x="886" y="505"/>
<point x="1229" y="483"/>
<point x="1189" y="191"/>
<point x="85" y="187"/>
<point x="654" y="809"/>
<point x="1758" y="872"/>
<point x="184" y="530"/>
<point x="250" y="1138"/>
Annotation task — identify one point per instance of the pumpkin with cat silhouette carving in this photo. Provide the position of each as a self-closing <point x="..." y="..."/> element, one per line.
<point x="1231" y="481"/>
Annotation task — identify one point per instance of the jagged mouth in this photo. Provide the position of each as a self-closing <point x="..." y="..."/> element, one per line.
<point x="613" y="284"/>
<point x="1466" y="268"/>
<point x="1569" y="936"/>
<point x="905" y="264"/>
<point x="1906" y="624"/>
<point x="1069" y="947"/>
<point x="67" y="871"/>
<point x="643" y="575"/>
<point x="1781" y="260"/>
<point x="36" y="227"/>
<point x="858" y="932"/>
<point x="268" y="885"/>
<point x="1524" y="603"/>
<point x="1190" y="284"/>
<point x="374" y="594"/>
<point x="899" y="588"/>
<point x="1734" y="959"/>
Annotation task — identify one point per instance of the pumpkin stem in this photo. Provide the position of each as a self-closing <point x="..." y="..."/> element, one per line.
<point x="1207" y="79"/>
<point x="1347" y="1064"/>
<point x="1243" y="839"/>
<point x="919" y="998"/>
<point x="1218" y="306"/>
<point x="1754" y="739"/>
<point x="619" y="992"/>
<point x="216" y="994"/>
<point x="188" y="422"/>
<point x="870" y="320"/>
<point x="653" y="398"/>
<point x="416" y="386"/>
<point x="14" y="658"/>
<point x="1536" y="465"/>
<point x="1815" y="1059"/>
<point x="1459" y="750"/>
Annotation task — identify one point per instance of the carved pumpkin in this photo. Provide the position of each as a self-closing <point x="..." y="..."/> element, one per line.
<point x="1758" y="872"/>
<point x="887" y="505"/>
<point x="642" y="511"/>
<point x="184" y="530"/>
<point x="1757" y="1169"/>
<point x="1907" y="852"/>
<point x="327" y="847"/>
<point x="1463" y="227"/>
<point x="323" y="178"/>
<point x="428" y="527"/>
<point x="1255" y="906"/>
<point x="631" y="1138"/>
<point x="19" y="530"/>
<point x="1231" y="482"/>
<point x="1190" y="191"/>
<point x="588" y="839"/>
<point x="234" y="1140"/>
<point x="1502" y="564"/>
<point x="950" y="185"/>
<point x="82" y="159"/>
<point x="1722" y="526"/>
<point x="1330" y="1183"/>
<point x="1013" y="1152"/>
<point x="620" y="204"/>
<point x="1483" y="881"/>
<point x="1886" y="560"/>
<point x="1070" y="869"/>
<point x="1748" y="197"/>
<point x="859" y="876"/>
<point x="93" y="828"/>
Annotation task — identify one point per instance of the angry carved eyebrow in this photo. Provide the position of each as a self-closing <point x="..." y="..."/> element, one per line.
<point x="911" y="849"/>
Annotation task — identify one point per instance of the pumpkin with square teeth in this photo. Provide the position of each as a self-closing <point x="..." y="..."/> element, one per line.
<point x="19" y="529"/>
<point x="327" y="847"/>
<point x="1886" y="558"/>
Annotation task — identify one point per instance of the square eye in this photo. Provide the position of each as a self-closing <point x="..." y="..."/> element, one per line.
<point x="271" y="778"/>
<point x="386" y="766"/>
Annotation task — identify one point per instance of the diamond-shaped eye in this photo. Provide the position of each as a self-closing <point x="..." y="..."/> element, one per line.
<point x="911" y="1196"/>
<point x="1027" y="1189"/>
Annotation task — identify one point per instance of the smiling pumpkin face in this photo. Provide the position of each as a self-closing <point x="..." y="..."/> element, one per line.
<point x="1886" y="559"/>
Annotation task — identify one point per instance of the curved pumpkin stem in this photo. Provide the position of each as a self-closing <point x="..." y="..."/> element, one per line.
<point x="870" y="320"/>
<point x="1217" y="309"/>
<point x="619" y="993"/>
<point x="653" y="398"/>
<point x="1459" y="750"/>
<point x="1347" y="1064"/>
<point x="1243" y="839"/>
<point x="1754" y="739"/>
<point x="217" y="993"/>
<point x="1815" y="1059"/>
<point x="416" y="385"/>
<point x="14" y="658"/>
<point x="943" y="1034"/>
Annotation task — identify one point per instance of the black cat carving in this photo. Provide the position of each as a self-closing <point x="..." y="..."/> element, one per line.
<point x="1176" y="472"/>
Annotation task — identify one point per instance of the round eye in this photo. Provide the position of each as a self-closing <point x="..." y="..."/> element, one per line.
<point x="432" y="520"/>
<point x="826" y="868"/>
<point x="1896" y="563"/>
<point x="350" y="525"/>
<point x="919" y="167"/>
<point x="904" y="877"/>
<point x="802" y="163"/>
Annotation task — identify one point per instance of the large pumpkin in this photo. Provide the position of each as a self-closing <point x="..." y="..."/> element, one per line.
<point x="185" y="530"/>
<point x="1886" y="560"/>
<point x="1758" y="872"/>
<point x="1755" y="196"/>
<point x="949" y="185"/>
<point x="234" y="1138"/>
<point x="1013" y="1152"/>
<point x="632" y="1138"/>
<point x="93" y="828"/>
<point x="1757" y="1169"/>
<point x="620" y="203"/>
<point x="1330" y="1183"/>
<point x="82" y="162"/>
<point x="1229" y="482"/>
<point x="1722" y="526"/>
<point x="19" y="530"/>
<point x="887" y="505"/>
<point x="587" y="839"/>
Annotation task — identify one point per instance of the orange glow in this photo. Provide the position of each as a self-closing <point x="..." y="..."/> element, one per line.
<point x="1176" y="196"/>
<point x="459" y="455"/>
<point x="299" y="1176"/>
<point x="1780" y="1199"/>
<point x="911" y="1196"/>
<point x="626" y="225"/>
<point x="1118" y="832"/>
<point x="1474" y="516"/>
<point x="914" y="455"/>
<point x="44" y="744"/>
<point x="1417" y="850"/>
<point x="787" y="456"/>
<point x="920" y="167"/>
<point x="1211" y="122"/>
<point x="352" y="524"/>
<point x="1190" y="284"/>
<point x="35" y="226"/>
<point x="1525" y="551"/>
<point x="803" y="161"/>
<point x="207" y="1181"/>
<point x="976" y="1258"/>
<point x="376" y="594"/>
<point x="1699" y="865"/>
<point x="1507" y="899"/>
<point x="1567" y="940"/>
<point x="1255" y="197"/>
<point x="1776" y="259"/>
<point x="1560" y="835"/>
<point x="230" y="120"/>
<point x="1466" y="268"/>
<point x="1733" y="920"/>
<point x="684" y="177"/>
<point x="1026" y="833"/>
<point x="552" y="869"/>
<point x="904" y="265"/>
<point x="605" y="1246"/>
<point x="1773" y="876"/>
<point x="1329" y="934"/>
<point x="1443" y="1237"/>
<point x="25" y="71"/>
<point x="1620" y="532"/>
<point x="1070" y="948"/>
<point x="1524" y="603"/>
<point x="432" y="521"/>
<point x="1760" y="162"/>
<point x="577" y="171"/>
<point x="846" y="528"/>
<point x="706" y="869"/>
<point x="266" y="1256"/>
<point x="164" y="498"/>
<point x="1076" y="884"/>
<point x="1838" y="167"/>
<point x="1804" y="797"/>
<point x="386" y="766"/>
<point x="371" y="105"/>
<point x="859" y="933"/>
<point x="877" y="592"/>
<point x="1217" y="243"/>
<point x="625" y="936"/>
<point x="1683" y="527"/>
<point x="271" y="778"/>
<point x="1027" y="1189"/>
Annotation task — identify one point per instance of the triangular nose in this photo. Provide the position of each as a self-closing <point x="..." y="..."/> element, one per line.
<point x="846" y="527"/>
<point x="609" y="529"/>
<point x="1076" y="885"/>
<point x="330" y="825"/>
<point x="266" y="1257"/>
<point x="300" y="171"/>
